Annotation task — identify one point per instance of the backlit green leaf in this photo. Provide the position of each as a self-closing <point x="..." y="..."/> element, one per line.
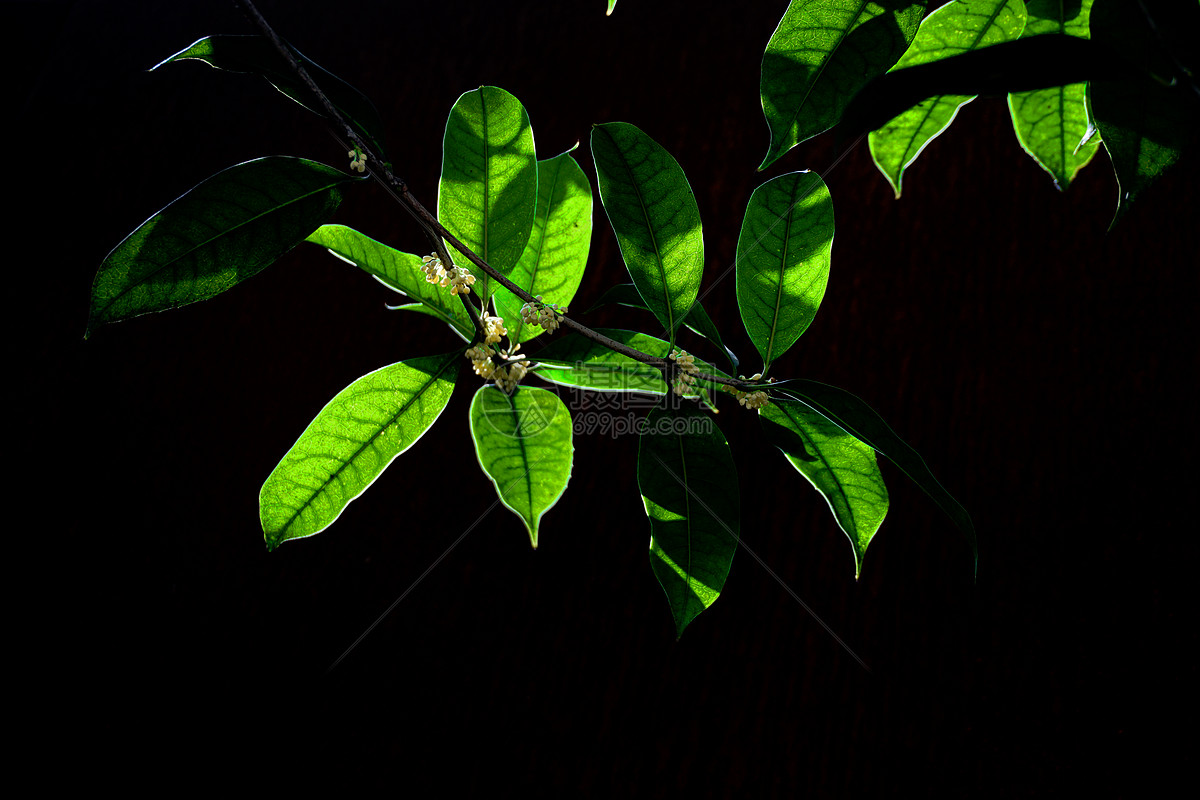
<point x="954" y="28"/>
<point x="655" y="217"/>
<point x="783" y="260"/>
<point x="689" y="486"/>
<point x="575" y="360"/>
<point x="256" y="55"/>
<point x="488" y="190"/>
<point x="524" y="444"/>
<point x="842" y="469"/>
<point x="698" y="320"/>
<point x="396" y="270"/>
<point x="822" y="52"/>
<point x="862" y="422"/>
<point x="553" y="261"/>
<point x="226" y="229"/>
<point x="1052" y="123"/>
<point x="351" y="442"/>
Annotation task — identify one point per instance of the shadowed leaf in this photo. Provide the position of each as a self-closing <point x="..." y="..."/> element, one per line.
<point x="553" y="261"/>
<point x="953" y="29"/>
<point x="862" y="422"/>
<point x="258" y="56"/>
<point x="783" y="256"/>
<point x="575" y="360"/>
<point x="840" y="467"/>
<point x="698" y="320"/>
<point x="1146" y="124"/>
<point x="398" y="271"/>
<point x="655" y="218"/>
<point x="226" y="229"/>
<point x="487" y="195"/>
<point x="822" y="52"/>
<point x="1052" y="123"/>
<point x="689" y="487"/>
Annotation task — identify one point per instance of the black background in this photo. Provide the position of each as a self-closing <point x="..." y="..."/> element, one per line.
<point x="1042" y="367"/>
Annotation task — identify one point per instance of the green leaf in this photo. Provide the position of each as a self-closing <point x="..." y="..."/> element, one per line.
<point x="611" y="5"/>
<point x="1146" y="124"/>
<point x="1052" y="123"/>
<point x="256" y="55"/>
<point x="822" y="52"/>
<point x="698" y="320"/>
<point x="689" y="486"/>
<point x="524" y="444"/>
<point x="953" y="29"/>
<point x="398" y="271"/>
<point x="489" y="185"/>
<point x="575" y="360"/>
<point x="226" y="229"/>
<point x="351" y="442"/>
<point x="655" y="217"/>
<point x="553" y="261"/>
<point x="862" y="422"/>
<point x="840" y="467"/>
<point x="783" y="260"/>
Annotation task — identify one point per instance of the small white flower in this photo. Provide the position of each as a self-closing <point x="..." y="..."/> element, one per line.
<point x="685" y="380"/>
<point x="493" y="328"/>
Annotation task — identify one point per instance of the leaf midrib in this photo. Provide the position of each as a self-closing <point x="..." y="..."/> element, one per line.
<point x="658" y="259"/>
<point x="862" y="6"/>
<point x="787" y="233"/>
<point x="228" y="231"/>
<point x="450" y="359"/>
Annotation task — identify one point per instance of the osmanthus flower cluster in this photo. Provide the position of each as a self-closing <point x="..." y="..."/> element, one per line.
<point x="459" y="279"/>
<point x="538" y="312"/>
<point x="511" y="369"/>
<point x="526" y="224"/>
<point x="753" y="400"/>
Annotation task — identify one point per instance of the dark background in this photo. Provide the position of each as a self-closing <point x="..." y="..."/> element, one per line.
<point x="1042" y="367"/>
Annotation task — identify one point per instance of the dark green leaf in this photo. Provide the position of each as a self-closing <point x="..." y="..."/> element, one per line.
<point x="783" y="260"/>
<point x="842" y="469"/>
<point x="575" y="360"/>
<point x="396" y="270"/>
<point x="953" y="29"/>
<point x="822" y="52"/>
<point x="256" y="55"/>
<point x="524" y="444"/>
<point x="225" y="230"/>
<point x="1052" y="123"/>
<point x="689" y="486"/>
<point x="553" y="261"/>
<point x="489" y="185"/>
<point x="862" y="422"/>
<point x="698" y="320"/>
<point x="1147" y="124"/>
<point x="351" y="442"/>
<point x="654" y="215"/>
